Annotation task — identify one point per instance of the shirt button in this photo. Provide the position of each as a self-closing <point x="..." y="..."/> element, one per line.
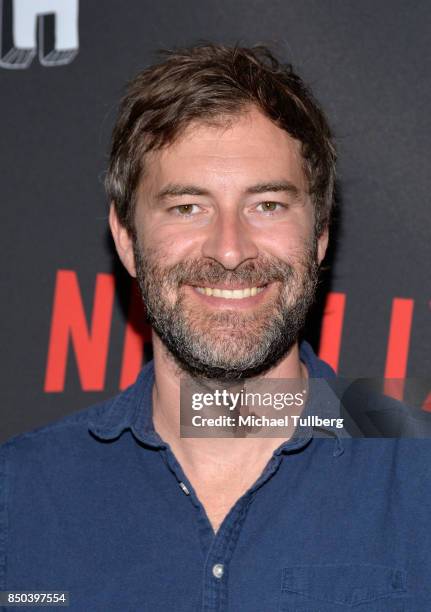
<point x="184" y="488"/>
<point x="218" y="570"/>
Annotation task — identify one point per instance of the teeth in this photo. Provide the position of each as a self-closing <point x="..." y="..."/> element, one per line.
<point x="230" y="294"/>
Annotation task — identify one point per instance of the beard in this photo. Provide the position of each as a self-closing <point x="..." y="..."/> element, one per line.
<point x="229" y="344"/>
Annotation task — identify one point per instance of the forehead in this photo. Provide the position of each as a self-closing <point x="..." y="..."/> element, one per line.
<point x="232" y="153"/>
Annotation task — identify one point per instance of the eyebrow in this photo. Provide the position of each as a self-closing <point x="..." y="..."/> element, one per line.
<point x="175" y="190"/>
<point x="276" y="186"/>
<point x="172" y="190"/>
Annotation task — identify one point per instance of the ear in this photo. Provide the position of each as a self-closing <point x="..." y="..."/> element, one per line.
<point x="322" y="244"/>
<point x="123" y="241"/>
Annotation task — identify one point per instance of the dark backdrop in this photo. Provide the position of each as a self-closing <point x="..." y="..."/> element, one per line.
<point x="367" y="62"/>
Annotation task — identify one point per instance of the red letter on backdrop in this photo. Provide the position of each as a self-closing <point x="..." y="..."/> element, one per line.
<point x="398" y="347"/>
<point x="69" y="322"/>
<point x="332" y="329"/>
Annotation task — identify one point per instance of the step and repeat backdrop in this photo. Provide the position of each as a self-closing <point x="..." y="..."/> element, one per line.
<point x="73" y="331"/>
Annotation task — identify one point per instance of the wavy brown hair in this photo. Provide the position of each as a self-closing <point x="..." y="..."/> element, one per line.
<point x="213" y="83"/>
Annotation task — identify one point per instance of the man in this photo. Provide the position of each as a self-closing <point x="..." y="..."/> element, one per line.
<point x="221" y="186"/>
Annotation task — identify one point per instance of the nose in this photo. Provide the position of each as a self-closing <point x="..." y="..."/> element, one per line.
<point x="229" y="241"/>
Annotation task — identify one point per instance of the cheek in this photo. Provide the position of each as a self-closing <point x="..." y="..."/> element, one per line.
<point x="172" y="245"/>
<point x="286" y="239"/>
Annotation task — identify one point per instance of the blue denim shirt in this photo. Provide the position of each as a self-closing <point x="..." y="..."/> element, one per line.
<point x="97" y="504"/>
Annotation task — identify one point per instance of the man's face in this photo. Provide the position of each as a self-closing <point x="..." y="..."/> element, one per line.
<point x="225" y="252"/>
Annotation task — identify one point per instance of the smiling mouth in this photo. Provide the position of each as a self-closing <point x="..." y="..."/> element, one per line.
<point x="230" y="294"/>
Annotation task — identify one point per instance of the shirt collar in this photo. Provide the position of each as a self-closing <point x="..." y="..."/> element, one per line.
<point x="325" y="404"/>
<point x="132" y="409"/>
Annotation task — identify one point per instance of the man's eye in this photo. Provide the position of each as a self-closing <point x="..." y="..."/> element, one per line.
<point x="185" y="210"/>
<point x="270" y="207"/>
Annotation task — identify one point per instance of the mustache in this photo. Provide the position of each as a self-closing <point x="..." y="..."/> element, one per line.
<point x="199" y="272"/>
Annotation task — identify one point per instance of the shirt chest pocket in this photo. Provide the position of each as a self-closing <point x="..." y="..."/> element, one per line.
<point x="343" y="588"/>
